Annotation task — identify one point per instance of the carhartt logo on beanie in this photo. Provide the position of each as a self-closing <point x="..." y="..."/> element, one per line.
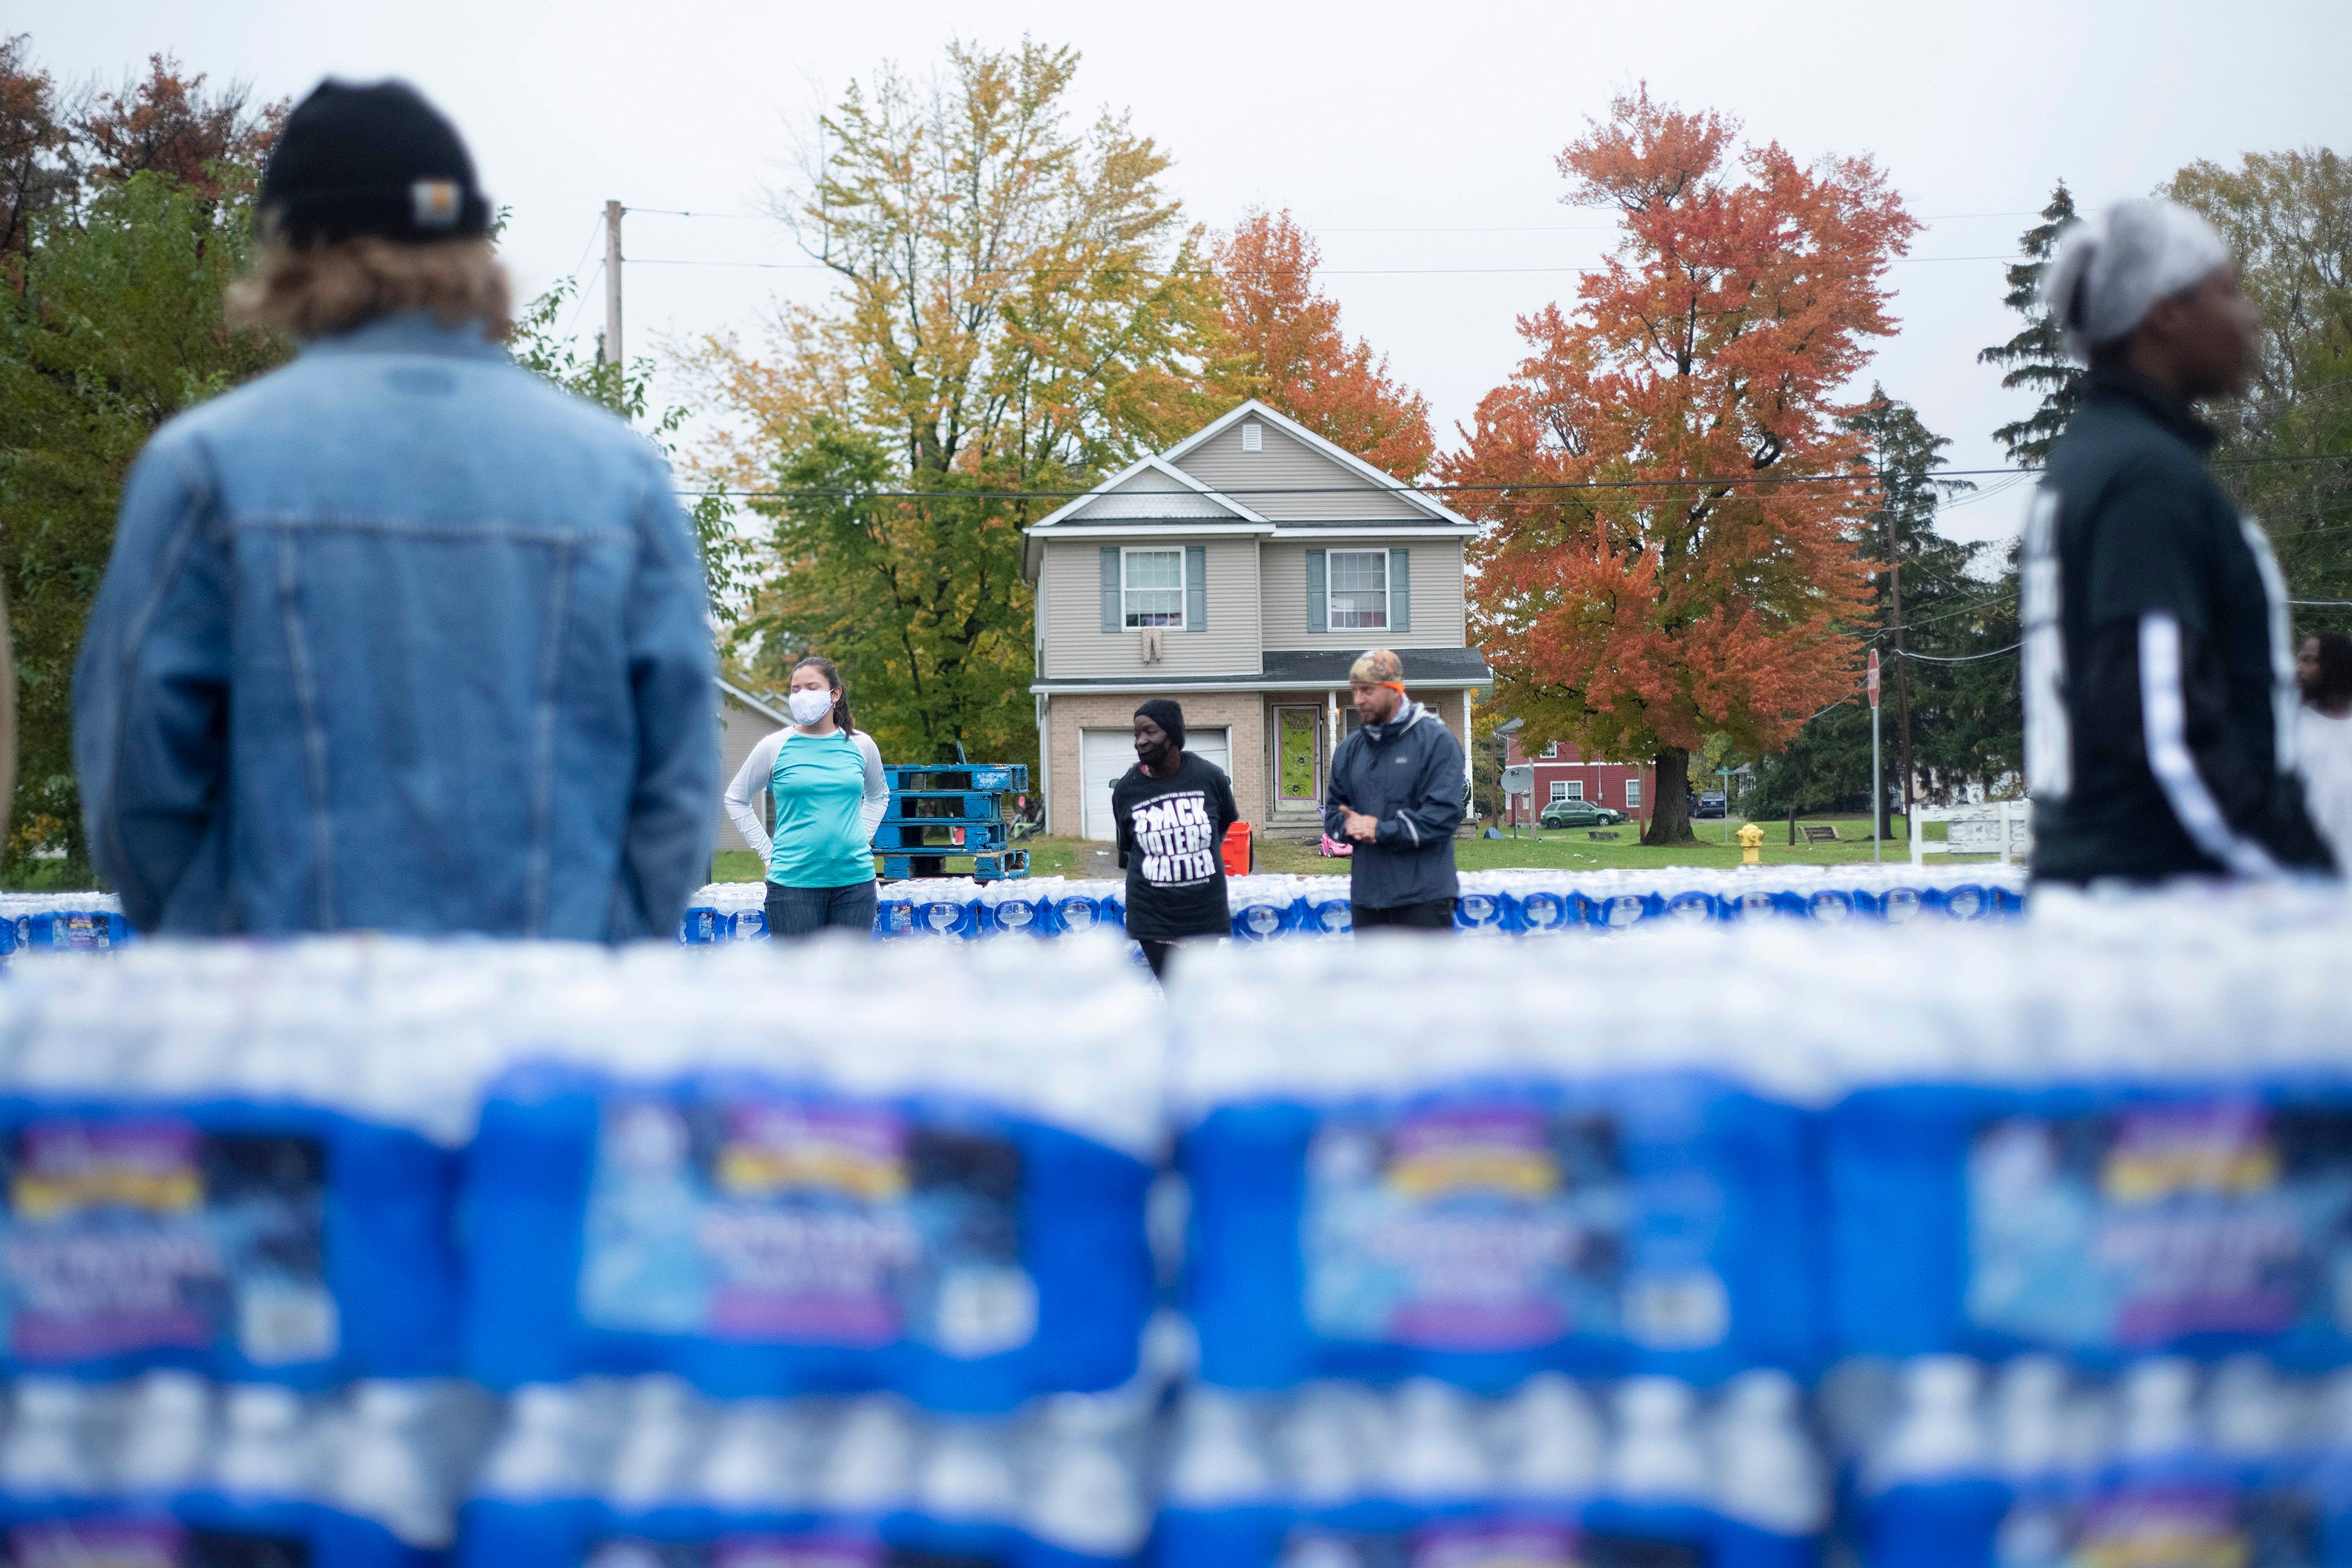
<point x="371" y="159"/>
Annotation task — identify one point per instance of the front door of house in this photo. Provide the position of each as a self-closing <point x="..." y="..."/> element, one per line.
<point x="1299" y="759"/>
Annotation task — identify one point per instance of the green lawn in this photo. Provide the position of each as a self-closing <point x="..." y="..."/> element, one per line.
<point x="1577" y="849"/>
<point x="1571" y="849"/>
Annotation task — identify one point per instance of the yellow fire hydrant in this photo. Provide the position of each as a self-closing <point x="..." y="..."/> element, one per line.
<point x="1751" y="839"/>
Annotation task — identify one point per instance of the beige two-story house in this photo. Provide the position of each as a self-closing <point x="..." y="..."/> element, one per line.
<point x="1240" y="572"/>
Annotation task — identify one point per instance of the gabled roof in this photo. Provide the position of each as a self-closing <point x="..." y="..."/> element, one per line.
<point x="1149" y="489"/>
<point x="1148" y="493"/>
<point x="758" y="705"/>
<point x="1374" y="479"/>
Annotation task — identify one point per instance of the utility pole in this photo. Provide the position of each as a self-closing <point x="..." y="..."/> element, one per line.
<point x="1877" y="790"/>
<point x="1902" y="691"/>
<point x="612" y="211"/>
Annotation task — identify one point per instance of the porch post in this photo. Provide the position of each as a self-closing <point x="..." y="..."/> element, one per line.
<point x="1332" y="755"/>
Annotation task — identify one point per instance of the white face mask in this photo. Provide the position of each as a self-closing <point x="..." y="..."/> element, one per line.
<point x="809" y="707"/>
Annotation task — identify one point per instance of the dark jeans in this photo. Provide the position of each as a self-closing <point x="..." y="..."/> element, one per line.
<point x="1430" y="914"/>
<point x="802" y="911"/>
<point x="1155" y="953"/>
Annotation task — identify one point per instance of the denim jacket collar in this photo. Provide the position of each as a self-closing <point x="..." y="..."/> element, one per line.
<point x="410" y="333"/>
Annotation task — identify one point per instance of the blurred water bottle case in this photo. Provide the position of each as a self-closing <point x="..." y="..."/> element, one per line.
<point x="1485" y="1233"/>
<point x="755" y="1238"/>
<point x="2097" y="1223"/>
<point x="242" y="1241"/>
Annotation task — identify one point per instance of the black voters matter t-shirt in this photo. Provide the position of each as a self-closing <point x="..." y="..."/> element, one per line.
<point x="1170" y="833"/>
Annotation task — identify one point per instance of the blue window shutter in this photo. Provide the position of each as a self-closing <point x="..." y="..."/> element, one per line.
<point x="1399" y="590"/>
<point x="1112" y="620"/>
<point x="1196" y="587"/>
<point x="1319" y="609"/>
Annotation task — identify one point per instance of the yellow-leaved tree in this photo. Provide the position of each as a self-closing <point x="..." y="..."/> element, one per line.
<point x="1017" y="306"/>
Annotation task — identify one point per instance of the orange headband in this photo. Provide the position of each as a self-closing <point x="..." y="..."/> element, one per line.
<point x="1395" y="686"/>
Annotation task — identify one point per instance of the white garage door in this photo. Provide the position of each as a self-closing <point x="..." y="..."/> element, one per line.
<point x="1105" y="755"/>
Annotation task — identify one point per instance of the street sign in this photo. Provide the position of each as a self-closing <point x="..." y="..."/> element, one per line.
<point x="1519" y="780"/>
<point x="1874" y="678"/>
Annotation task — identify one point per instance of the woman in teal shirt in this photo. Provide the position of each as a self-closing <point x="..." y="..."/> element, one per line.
<point x="826" y="778"/>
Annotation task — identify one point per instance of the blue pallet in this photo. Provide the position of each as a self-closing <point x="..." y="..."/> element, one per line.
<point x="1000" y="866"/>
<point x="986" y="778"/>
<point x="907" y="838"/>
<point x="961" y="805"/>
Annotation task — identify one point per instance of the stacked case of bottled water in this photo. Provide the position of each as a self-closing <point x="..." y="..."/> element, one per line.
<point x="1520" y="902"/>
<point x="830" y="1262"/>
<point x="2057" y="1221"/>
<point x="1976" y="1243"/>
<point x="61" y="922"/>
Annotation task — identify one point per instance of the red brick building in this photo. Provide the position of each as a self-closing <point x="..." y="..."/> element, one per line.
<point x="1563" y="773"/>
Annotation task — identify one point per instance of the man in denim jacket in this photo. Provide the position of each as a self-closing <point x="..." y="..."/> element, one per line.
<point x="398" y="637"/>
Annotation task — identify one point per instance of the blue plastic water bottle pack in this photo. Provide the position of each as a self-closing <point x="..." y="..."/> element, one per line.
<point x="752" y="1236"/>
<point x="1947" y="1244"/>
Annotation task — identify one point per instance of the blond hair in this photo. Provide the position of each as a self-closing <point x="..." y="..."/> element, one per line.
<point x="318" y="291"/>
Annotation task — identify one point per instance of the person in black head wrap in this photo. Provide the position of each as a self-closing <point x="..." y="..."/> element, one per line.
<point x="1171" y="810"/>
<point x="2160" y="723"/>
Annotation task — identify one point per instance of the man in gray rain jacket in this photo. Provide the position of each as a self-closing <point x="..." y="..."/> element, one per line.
<point x="1396" y="793"/>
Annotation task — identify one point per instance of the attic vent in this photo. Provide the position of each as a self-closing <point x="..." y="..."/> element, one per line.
<point x="1253" y="436"/>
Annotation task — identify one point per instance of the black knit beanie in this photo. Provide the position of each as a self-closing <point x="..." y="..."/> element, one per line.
<point x="371" y="159"/>
<point x="1168" y="716"/>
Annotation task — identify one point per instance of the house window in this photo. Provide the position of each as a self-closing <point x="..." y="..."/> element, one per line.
<point x="1552" y="751"/>
<point x="1151" y="587"/>
<point x="1359" y="589"/>
<point x="1560" y="789"/>
<point x="1633" y="794"/>
<point x="1569" y="789"/>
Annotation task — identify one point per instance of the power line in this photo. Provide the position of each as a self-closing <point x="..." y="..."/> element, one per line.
<point x="1956" y="659"/>
<point x="693" y="261"/>
<point x="1711" y="481"/>
<point x="1560" y="229"/>
<point x="1467" y="271"/>
<point x="581" y="304"/>
<point x="1319" y="272"/>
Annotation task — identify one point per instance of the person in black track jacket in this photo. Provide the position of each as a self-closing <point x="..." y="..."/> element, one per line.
<point x="2160" y="702"/>
<point x="1396" y="791"/>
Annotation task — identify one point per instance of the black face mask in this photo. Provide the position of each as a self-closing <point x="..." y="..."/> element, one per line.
<point x="1163" y="759"/>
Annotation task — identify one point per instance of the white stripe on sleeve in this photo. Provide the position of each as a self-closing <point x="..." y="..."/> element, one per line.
<point x="2164" y="716"/>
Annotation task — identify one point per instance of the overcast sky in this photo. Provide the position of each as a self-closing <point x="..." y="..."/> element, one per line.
<point x="1417" y="142"/>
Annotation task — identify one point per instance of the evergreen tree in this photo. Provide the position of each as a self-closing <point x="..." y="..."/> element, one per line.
<point x="1940" y="726"/>
<point x="2035" y="357"/>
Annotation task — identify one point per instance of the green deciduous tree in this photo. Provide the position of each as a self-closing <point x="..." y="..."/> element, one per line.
<point x="1019" y="305"/>
<point x="111" y="322"/>
<point x="2286" y="448"/>
<point x="2036" y="358"/>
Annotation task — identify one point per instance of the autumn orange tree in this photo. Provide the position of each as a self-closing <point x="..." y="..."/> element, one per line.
<point x="1684" y="577"/>
<point x="1281" y="343"/>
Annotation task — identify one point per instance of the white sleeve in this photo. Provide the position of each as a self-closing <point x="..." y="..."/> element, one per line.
<point x="757" y="769"/>
<point x="877" y="792"/>
<point x="2164" y="718"/>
